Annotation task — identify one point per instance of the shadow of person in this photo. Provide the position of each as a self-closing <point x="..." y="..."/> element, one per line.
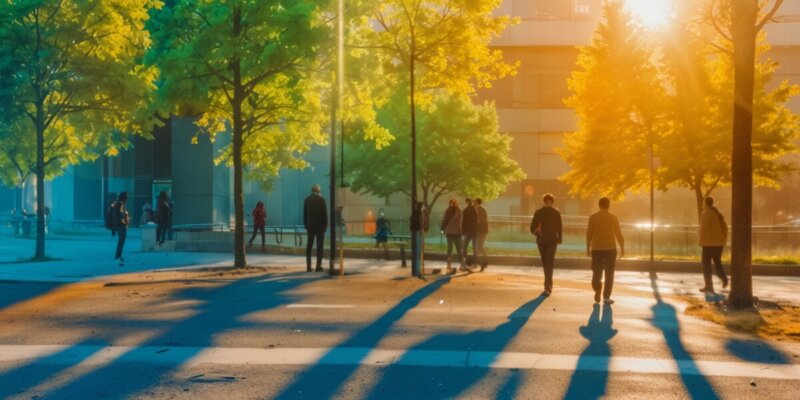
<point x="591" y="373"/>
<point x="484" y="347"/>
<point x="665" y="318"/>
<point x="323" y="379"/>
<point x="220" y="309"/>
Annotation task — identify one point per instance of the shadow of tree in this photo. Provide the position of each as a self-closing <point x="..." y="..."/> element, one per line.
<point x="450" y="382"/>
<point x="753" y="350"/>
<point x="220" y="309"/>
<point x="591" y="373"/>
<point x="322" y="380"/>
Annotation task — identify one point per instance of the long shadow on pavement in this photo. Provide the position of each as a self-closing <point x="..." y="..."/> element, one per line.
<point x="221" y="309"/>
<point x="14" y="292"/>
<point x="591" y="373"/>
<point x="665" y="318"/>
<point x="32" y="373"/>
<point x="758" y="351"/>
<point x="323" y="380"/>
<point x="445" y="383"/>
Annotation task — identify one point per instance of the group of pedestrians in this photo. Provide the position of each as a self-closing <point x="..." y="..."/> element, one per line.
<point x="604" y="242"/>
<point x="604" y="239"/>
<point x="118" y="220"/>
<point x="462" y="228"/>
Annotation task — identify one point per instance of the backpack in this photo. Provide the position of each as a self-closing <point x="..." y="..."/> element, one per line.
<point x="109" y="217"/>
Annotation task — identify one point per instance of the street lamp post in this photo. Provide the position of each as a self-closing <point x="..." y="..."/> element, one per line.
<point x="654" y="163"/>
<point x="336" y="94"/>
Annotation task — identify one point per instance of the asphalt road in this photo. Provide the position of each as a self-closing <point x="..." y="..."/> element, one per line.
<point x="283" y="333"/>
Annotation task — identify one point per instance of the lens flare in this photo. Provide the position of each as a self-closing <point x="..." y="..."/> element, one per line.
<point x="653" y="14"/>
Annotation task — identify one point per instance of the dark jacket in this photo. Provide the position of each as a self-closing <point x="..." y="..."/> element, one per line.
<point x="451" y="222"/>
<point x="469" y="221"/>
<point x="259" y="217"/>
<point x="483" y="221"/>
<point x="315" y="213"/>
<point x="546" y="225"/>
<point x="164" y="213"/>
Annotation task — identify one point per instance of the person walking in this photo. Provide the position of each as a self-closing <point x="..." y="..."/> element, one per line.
<point x="469" y="230"/>
<point x="482" y="232"/>
<point x="451" y="227"/>
<point x="602" y="236"/>
<point x="546" y="226"/>
<point x="259" y="225"/>
<point x="315" y="220"/>
<point x="163" y="217"/>
<point x="382" y="231"/>
<point x="120" y="219"/>
<point x="713" y="237"/>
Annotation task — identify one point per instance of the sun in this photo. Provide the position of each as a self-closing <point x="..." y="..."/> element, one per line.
<point x="653" y="14"/>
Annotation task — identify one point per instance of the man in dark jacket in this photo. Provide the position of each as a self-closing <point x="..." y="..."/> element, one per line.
<point x="546" y="225"/>
<point x="469" y="229"/>
<point x="315" y="220"/>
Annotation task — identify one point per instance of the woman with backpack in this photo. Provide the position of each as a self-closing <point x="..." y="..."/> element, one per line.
<point x="713" y="237"/>
<point x="451" y="227"/>
<point x="259" y="224"/>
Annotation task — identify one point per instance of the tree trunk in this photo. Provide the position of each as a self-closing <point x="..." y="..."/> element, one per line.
<point x="240" y="260"/>
<point x="698" y="197"/>
<point x="40" y="223"/>
<point x="743" y="32"/>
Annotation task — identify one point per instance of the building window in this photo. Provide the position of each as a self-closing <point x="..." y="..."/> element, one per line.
<point x="554" y="10"/>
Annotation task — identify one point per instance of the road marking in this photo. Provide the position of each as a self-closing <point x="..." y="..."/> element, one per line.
<point x="197" y="356"/>
<point x="299" y="305"/>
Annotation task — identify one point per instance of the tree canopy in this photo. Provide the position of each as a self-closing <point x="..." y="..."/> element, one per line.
<point x="618" y="99"/>
<point x="677" y="95"/>
<point x="461" y="151"/>
<point x="247" y="68"/>
<point x="697" y="142"/>
<point x="76" y="81"/>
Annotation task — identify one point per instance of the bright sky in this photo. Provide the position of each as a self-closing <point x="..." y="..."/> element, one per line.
<point x="652" y="14"/>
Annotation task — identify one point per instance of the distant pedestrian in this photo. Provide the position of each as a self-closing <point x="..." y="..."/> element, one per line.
<point x="469" y="231"/>
<point x="713" y="237"/>
<point x="147" y="213"/>
<point x="315" y="220"/>
<point x="602" y="237"/>
<point x="546" y="226"/>
<point x="451" y="227"/>
<point x="121" y="221"/>
<point x="259" y="225"/>
<point x="482" y="232"/>
<point x="163" y="217"/>
<point x="383" y="230"/>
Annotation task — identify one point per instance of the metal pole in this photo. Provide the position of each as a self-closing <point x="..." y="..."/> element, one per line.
<point x="335" y="101"/>
<point x="415" y="264"/>
<point x="652" y="212"/>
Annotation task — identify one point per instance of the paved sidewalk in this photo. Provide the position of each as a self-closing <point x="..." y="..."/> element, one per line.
<point x="82" y="259"/>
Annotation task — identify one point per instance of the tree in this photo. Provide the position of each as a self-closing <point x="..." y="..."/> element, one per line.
<point x="744" y="28"/>
<point x="699" y="66"/>
<point x="429" y="45"/>
<point x="246" y="68"/>
<point x="617" y="97"/>
<point x="461" y="151"/>
<point x="76" y="79"/>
